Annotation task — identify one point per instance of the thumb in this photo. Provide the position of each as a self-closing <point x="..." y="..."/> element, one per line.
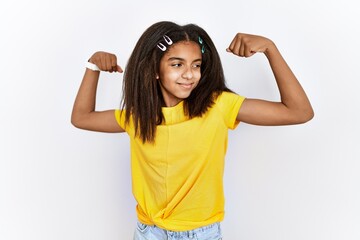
<point x="119" y="69"/>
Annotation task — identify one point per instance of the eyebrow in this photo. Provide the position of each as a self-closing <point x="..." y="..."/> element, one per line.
<point x="182" y="59"/>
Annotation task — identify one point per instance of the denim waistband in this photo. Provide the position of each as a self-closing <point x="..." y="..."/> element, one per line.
<point x="194" y="232"/>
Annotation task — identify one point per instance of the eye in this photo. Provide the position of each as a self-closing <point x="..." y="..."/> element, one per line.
<point x="197" y="65"/>
<point x="176" y="65"/>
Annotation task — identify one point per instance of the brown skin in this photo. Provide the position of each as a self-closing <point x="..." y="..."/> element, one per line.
<point x="84" y="115"/>
<point x="179" y="72"/>
<point x="294" y="107"/>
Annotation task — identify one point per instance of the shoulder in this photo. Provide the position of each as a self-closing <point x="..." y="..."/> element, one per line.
<point x="227" y="98"/>
<point x="120" y="116"/>
<point x="228" y="104"/>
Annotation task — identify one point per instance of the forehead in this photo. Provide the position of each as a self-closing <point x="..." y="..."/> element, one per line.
<point x="184" y="49"/>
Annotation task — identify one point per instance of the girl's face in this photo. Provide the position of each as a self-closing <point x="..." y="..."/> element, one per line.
<point x="179" y="71"/>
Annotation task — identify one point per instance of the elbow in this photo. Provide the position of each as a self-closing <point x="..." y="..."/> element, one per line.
<point x="75" y="121"/>
<point x="305" y="116"/>
<point x="311" y="115"/>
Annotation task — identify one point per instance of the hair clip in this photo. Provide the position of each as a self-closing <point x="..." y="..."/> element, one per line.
<point x="162" y="47"/>
<point x="202" y="45"/>
<point x="168" y="40"/>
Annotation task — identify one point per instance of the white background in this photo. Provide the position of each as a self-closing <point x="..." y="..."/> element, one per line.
<point x="296" y="182"/>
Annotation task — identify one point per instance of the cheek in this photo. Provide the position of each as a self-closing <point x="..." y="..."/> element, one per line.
<point x="169" y="77"/>
<point x="197" y="75"/>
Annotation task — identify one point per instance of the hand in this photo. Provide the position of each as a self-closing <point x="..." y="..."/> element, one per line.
<point x="106" y="62"/>
<point x="246" y="45"/>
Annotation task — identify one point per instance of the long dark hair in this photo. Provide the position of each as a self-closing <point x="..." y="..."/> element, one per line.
<point x="142" y="97"/>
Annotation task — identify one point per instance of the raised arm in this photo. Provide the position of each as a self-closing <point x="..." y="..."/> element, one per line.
<point x="84" y="115"/>
<point x="294" y="107"/>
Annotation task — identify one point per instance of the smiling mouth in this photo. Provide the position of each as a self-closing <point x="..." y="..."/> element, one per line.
<point x="186" y="85"/>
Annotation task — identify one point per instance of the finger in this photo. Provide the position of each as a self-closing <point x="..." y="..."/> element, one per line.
<point x="248" y="52"/>
<point x="102" y="64"/>
<point x="119" y="69"/>
<point x="108" y="66"/>
<point x="231" y="46"/>
<point x="113" y="61"/>
<point x="237" y="47"/>
<point x="242" y="49"/>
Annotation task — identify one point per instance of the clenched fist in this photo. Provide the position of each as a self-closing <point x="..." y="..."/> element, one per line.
<point x="246" y="45"/>
<point x="105" y="61"/>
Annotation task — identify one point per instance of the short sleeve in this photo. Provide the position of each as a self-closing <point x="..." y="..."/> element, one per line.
<point x="120" y="118"/>
<point x="229" y="105"/>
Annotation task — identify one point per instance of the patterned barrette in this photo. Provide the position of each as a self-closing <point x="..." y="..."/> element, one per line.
<point x="202" y="45"/>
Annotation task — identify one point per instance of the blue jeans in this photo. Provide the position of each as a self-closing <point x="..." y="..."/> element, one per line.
<point x="147" y="232"/>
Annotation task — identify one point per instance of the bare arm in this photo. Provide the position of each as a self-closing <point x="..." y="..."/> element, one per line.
<point x="294" y="107"/>
<point x="84" y="115"/>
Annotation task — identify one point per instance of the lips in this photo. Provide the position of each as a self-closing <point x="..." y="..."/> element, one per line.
<point x="186" y="85"/>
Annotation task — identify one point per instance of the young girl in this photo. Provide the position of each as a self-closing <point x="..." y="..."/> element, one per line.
<point x="177" y="111"/>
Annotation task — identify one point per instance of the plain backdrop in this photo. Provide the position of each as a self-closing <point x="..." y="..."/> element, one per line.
<point x="295" y="182"/>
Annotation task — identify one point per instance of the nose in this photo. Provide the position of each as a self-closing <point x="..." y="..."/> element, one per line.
<point x="188" y="73"/>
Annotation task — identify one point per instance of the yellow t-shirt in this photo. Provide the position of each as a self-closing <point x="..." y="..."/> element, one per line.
<point x="178" y="181"/>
